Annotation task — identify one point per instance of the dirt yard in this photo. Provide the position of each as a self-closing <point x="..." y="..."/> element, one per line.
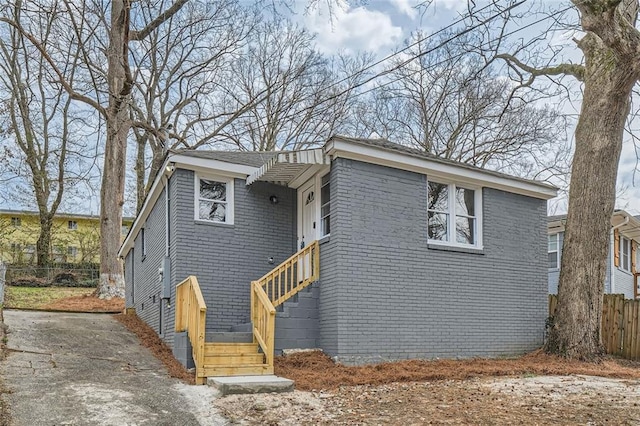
<point x="534" y="389"/>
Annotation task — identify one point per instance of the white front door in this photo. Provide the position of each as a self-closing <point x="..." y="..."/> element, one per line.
<point x="307" y="230"/>
<point x="308" y="207"/>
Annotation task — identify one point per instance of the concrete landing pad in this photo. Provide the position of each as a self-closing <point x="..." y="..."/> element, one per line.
<point x="250" y="384"/>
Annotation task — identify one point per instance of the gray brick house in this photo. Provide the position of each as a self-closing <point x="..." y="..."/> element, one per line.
<point x="419" y="257"/>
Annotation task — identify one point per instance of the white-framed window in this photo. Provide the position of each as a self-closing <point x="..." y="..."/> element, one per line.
<point x="554" y="251"/>
<point x="325" y="205"/>
<point x="214" y="199"/>
<point x="625" y="254"/>
<point x="454" y="215"/>
<point x="72" y="225"/>
<point x="16" y="222"/>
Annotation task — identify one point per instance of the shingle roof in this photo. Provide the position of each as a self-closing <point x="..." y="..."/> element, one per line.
<point x="252" y="159"/>
<point x="392" y="146"/>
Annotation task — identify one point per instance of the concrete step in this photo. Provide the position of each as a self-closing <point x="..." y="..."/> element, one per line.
<point x="251" y="384"/>
<point x="229" y="337"/>
<point x="211" y="349"/>
<point x="242" y="328"/>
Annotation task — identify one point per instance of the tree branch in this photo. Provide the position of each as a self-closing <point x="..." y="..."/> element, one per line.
<point x="575" y="70"/>
<point x="140" y="35"/>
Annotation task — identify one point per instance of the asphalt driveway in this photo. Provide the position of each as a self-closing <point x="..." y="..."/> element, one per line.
<point x="87" y="369"/>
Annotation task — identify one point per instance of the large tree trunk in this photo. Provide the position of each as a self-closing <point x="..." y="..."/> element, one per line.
<point x="113" y="177"/>
<point x="43" y="246"/>
<point x="608" y="82"/>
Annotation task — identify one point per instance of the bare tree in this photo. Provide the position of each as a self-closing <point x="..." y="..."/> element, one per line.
<point x="305" y="95"/>
<point x="87" y="21"/>
<point x="180" y="73"/>
<point x="41" y="125"/>
<point x="610" y="43"/>
<point x="449" y="102"/>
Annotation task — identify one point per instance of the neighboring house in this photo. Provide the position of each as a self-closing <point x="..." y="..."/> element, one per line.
<point x="75" y="238"/>
<point x="621" y="268"/>
<point x="419" y="257"/>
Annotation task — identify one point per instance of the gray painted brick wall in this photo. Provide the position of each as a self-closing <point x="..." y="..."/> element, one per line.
<point x="384" y="294"/>
<point x="226" y="258"/>
<point x="144" y="295"/>
<point x="297" y="325"/>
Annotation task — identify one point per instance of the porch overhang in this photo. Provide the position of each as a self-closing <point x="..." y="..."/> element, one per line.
<point x="291" y="168"/>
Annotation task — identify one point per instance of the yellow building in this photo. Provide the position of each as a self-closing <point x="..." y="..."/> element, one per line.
<point x="75" y="238"/>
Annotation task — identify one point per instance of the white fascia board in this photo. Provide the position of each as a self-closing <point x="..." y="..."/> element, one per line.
<point x="201" y="165"/>
<point x="211" y="166"/>
<point x="433" y="169"/>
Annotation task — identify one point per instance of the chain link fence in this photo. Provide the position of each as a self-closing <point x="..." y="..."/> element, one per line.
<point x="54" y="276"/>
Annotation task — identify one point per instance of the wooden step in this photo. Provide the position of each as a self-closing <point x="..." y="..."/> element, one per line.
<point x="234" y="359"/>
<point x="237" y="370"/>
<point x="230" y="348"/>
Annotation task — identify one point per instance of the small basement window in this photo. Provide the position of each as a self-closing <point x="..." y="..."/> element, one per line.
<point x="214" y="200"/>
<point x="453" y="215"/>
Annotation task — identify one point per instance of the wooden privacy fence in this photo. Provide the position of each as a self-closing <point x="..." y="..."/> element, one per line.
<point x="620" y="324"/>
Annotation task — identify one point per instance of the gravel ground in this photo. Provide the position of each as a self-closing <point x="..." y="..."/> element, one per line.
<point x="539" y="400"/>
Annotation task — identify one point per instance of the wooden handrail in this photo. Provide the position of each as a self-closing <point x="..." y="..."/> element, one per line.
<point x="263" y="318"/>
<point x="274" y="288"/>
<point x="292" y="275"/>
<point x="191" y="315"/>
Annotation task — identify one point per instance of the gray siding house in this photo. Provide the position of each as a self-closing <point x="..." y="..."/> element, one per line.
<point x="419" y="257"/>
<point x="621" y="272"/>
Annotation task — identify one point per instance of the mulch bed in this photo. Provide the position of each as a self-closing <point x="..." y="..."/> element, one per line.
<point x="315" y="370"/>
<point x="150" y="339"/>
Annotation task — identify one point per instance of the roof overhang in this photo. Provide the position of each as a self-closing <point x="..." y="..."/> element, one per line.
<point x="291" y="168"/>
<point x="625" y="222"/>
<point x="447" y="171"/>
<point x="202" y="165"/>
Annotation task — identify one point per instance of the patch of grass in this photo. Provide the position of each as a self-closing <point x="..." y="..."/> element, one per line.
<point x="38" y="297"/>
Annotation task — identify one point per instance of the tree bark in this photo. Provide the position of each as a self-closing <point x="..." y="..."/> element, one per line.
<point x="43" y="246"/>
<point x="608" y="82"/>
<point x="118" y="127"/>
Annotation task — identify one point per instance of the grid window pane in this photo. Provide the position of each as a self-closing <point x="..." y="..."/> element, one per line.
<point x="465" y="202"/>
<point x="466" y="230"/>
<point x="438" y="197"/>
<point x="438" y="226"/>
<point x="211" y="210"/>
<point x="212" y="190"/>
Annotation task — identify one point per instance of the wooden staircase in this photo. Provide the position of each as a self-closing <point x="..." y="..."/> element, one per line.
<point x="234" y="359"/>
<point x="215" y="359"/>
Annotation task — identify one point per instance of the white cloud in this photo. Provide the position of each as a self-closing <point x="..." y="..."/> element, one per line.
<point x="353" y="29"/>
<point x="405" y="7"/>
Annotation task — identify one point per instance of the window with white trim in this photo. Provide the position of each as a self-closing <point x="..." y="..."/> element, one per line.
<point x="72" y="225"/>
<point x="625" y="254"/>
<point x="554" y="251"/>
<point x="214" y="200"/>
<point x="453" y="214"/>
<point x="325" y="205"/>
